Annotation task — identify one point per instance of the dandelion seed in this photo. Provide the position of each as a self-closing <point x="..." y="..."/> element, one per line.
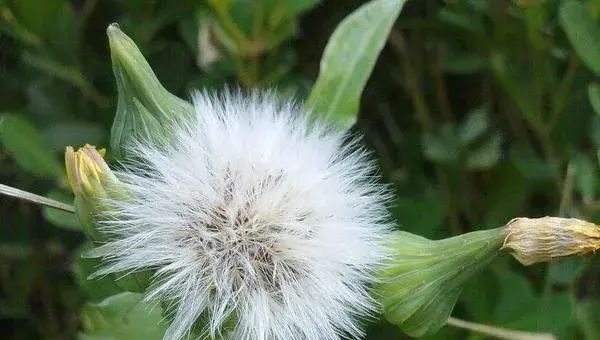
<point x="252" y="216"/>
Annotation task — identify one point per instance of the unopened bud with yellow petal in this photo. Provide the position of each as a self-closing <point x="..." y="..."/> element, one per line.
<point x="89" y="177"/>
<point x="533" y="240"/>
<point x="92" y="181"/>
<point x="87" y="172"/>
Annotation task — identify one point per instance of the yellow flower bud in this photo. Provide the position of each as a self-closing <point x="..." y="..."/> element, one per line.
<point x="532" y="240"/>
<point x="87" y="172"/>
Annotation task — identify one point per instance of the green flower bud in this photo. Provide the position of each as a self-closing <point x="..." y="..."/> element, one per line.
<point x="91" y="180"/>
<point x="423" y="278"/>
<point x="144" y="106"/>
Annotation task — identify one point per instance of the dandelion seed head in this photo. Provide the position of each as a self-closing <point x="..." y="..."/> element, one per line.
<point x="251" y="212"/>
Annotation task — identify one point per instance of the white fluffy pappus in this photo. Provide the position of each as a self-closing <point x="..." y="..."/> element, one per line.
<point x="252" y="213"/>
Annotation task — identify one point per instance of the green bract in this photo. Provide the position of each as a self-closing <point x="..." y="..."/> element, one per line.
<point x="424" y="278"/>
<point x="144" y="106"/>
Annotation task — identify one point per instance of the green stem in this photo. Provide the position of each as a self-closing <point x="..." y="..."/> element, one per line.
<point x="33" y="198"/>
<point x="498" y="332"/>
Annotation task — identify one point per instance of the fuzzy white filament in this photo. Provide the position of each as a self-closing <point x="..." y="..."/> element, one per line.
<point x="254" y="217"/>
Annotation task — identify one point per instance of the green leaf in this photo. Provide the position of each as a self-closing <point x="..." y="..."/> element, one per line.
<point x="28" y="147"/>
<point x="583" y="32"/>
<point x="122" y="316"/>
<point x="349" y="58"/>
<point x="59" y="218"/>
<point x="594" y="96"/>
<point x="487" y="155"/>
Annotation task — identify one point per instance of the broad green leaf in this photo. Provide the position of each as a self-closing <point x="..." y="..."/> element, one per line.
<point x="594" y="96"/>
<point x="122" y="316"/>
<point x="28" y="147"/>
<point x="59" y="218"/>
<point x="349" y="58"/>
<point x="583" y="32"/>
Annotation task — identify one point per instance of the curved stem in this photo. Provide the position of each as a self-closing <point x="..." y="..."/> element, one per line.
<point x="498" y="332"/>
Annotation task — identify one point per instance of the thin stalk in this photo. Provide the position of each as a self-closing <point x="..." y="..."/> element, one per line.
<point x="33" y="198"/>
<point x="498" y="332"/>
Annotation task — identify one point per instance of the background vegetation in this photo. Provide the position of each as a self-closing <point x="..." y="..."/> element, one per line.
<point x="478" y="111"/>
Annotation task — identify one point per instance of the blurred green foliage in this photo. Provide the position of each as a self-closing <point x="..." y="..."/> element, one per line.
<point x="478" y="112"/>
